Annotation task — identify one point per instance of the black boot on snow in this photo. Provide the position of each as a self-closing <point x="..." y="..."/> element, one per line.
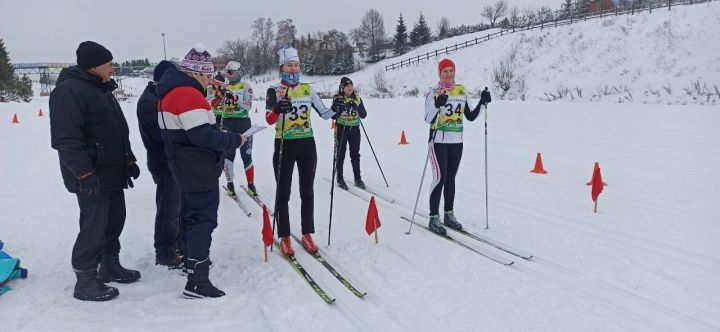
<point x="89" y="288"/>
<point x="252" y="190"/>
<point x="111" y="271"/>
<point x="231" y="188"/>
<point x="360" y="184"/>
<point x="451" y="221"/>
<point x="198" y="285"/>
<point x="436" y="226"/>
<point x="341" y="183"/>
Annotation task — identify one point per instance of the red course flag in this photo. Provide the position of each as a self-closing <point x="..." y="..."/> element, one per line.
<point x="267" y="233"/>
<point x="372" y="222"/>
<point x="597" y="184"/>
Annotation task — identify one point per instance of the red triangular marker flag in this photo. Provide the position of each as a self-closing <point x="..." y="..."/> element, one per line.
<point x="267" y="233"/>
<point x="372" y="222"/>
<point x="597" y="184"/>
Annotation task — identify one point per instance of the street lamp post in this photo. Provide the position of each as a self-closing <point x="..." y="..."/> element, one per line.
<point x="164" y="52"/>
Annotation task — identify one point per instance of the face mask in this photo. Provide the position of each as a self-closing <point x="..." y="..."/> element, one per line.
<point x="291" y="78"/>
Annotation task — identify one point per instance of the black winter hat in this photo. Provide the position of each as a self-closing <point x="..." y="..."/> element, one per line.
<point x="91" y="54"/>
<point x="161" y="68"/>
<point x="345" y="81"/>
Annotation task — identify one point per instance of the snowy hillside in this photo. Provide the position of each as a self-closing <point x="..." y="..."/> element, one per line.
<point x="667" y="57"/>
<point x="648" y="260"/>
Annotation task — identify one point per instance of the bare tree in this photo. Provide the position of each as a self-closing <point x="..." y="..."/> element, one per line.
<point x="443" y="27"/>
<point x="285" y="33"/>
<point x="263" y="36"/>
<point x="493" y="13"/>
<point x="371" y="32"/>
<point x="515" y="19"/>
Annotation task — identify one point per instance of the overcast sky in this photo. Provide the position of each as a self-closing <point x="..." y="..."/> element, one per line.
<point x="50" y="30"/>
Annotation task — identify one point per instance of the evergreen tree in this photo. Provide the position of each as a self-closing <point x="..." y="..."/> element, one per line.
<point x="420" y="34"/>
<point x="401" y="37"/>
<point x="12" y="88"/>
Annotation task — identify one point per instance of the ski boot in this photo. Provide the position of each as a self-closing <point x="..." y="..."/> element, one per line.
<point x="435" y="225"/>
<point x="231" y="189"/>
<point x="252" y="190"/>
<point x="286" y="246"/>
<point x="451" y="221"/>
<point x="360" y="184"/>
<point x="309" y="244"/>
<point x="341" y="183"/>
<point x="198" y="285"/>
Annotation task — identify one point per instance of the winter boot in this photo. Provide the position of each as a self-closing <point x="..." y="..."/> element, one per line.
<point x="198" y="285"/>
<point x="251" y="189"/>
<point x="286" y="247"/>
<point x="173" y="262"/>
<point x="360" y="184"/>
<point x="451" y="221"/>
<point x="341" y="183"/>
<point x="309" y="244"/>
<point x="89" y="288"/>
<point x="231" y="188"/>
<point x="111" y="271"/>
<point x="435" y="225"/>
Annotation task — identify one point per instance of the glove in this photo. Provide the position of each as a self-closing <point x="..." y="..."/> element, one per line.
<point x="284" y="107"/>
<point x="134" y="170"/>
<point x="441" y="100"/>
<point x="90" y="185"/>
<point x="338" y="104"/>
<point x="485" y="97"/>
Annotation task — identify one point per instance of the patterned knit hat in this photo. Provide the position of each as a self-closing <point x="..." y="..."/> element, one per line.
<point x="287" y="54"/>
<point x="198" y="61"/>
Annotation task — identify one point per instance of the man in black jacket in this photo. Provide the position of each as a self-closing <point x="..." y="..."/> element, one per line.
<point x="89" y="131"/>
<point x="167" y="194"/>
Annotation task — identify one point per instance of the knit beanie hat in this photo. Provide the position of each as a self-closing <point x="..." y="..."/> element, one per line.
<point x="91" y="54"/>
<point x="161" y="68"/>
<point x="444" y="63"/>
<point x="198" y="61"/>
<point x="287" y="54"/>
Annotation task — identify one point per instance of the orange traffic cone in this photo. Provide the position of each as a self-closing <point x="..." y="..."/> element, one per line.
<point x="15" y="119"/>
<point x="597" y="165"/>
<point x="403" y="140"/>
<point x="332" y="125"/>
<point x="40" y="113"/>
<point x="538" y="165"/>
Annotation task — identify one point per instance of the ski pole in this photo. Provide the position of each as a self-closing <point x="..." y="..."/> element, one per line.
<point x="332" y="180"/>
<point x="487" y="215"/>
<point x="279" y="172"/>
<point x="422" y="179"/>
<point x="373" y="152"/>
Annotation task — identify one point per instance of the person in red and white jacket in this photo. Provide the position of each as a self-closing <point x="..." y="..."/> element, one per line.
<point x="288" y="105"/>
<point x="194" y="147"/>
<point x="446" y="106"/>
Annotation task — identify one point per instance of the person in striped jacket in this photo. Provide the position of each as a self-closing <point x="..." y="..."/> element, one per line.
<point x="194" y="147"/>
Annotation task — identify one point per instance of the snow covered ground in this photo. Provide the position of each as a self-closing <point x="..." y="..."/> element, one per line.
<point x="648" y="260"/>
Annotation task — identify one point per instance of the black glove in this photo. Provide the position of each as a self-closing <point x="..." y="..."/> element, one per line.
<point x="134" y="170"/>
<point x="441" y="100"/>
<point x="338" y="104"/>
<point x="284" y="107"/>
<point x="485" y="97"/>
<point x="90" y="185"/>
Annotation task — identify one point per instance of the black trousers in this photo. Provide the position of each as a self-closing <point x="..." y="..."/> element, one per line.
<point x="198" y="220"/>
<point x="348" y="135"/>
<point x="445" y="159"/>
<point x="303" y="153"/>
<point x="102" y="218"/>
<point x="167" y="216"/>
